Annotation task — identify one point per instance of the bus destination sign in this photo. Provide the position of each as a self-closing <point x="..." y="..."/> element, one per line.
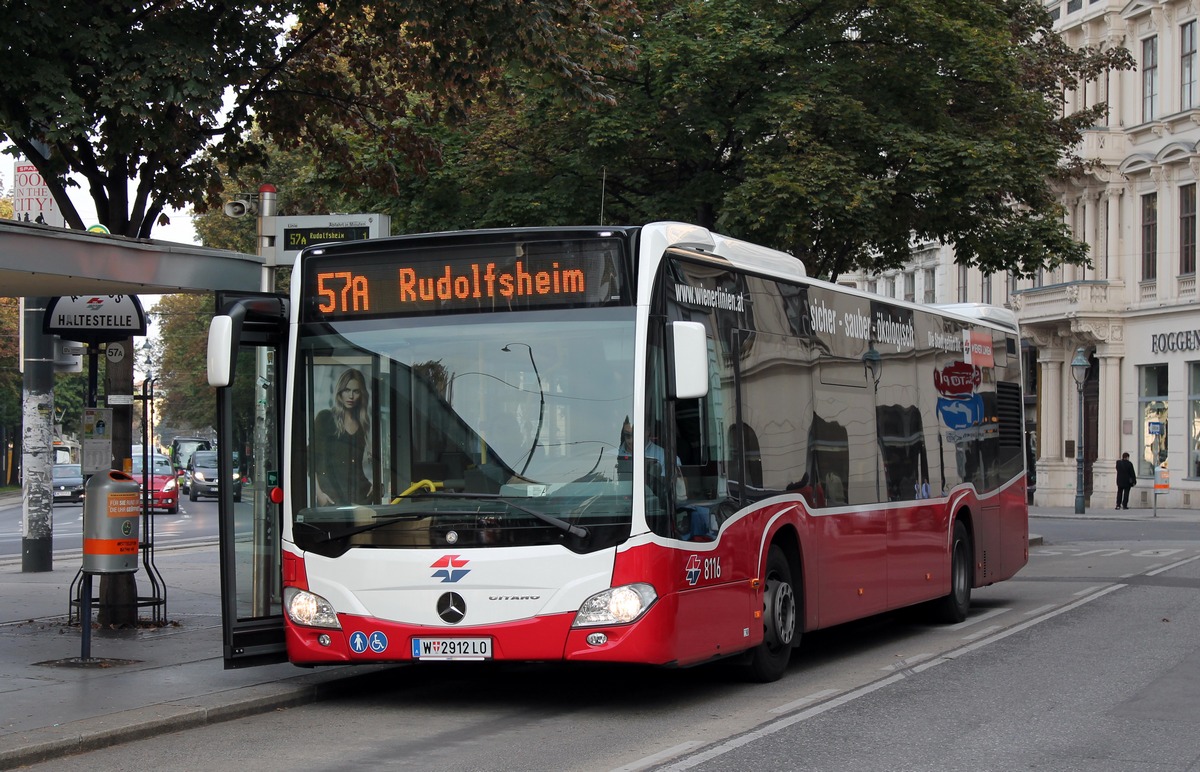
<point x="404" y="283"/>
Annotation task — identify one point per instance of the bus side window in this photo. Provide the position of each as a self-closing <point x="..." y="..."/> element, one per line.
<point x="690" y="445"/>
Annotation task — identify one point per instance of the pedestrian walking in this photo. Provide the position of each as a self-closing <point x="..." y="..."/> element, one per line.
<point x="1126" y="479"/>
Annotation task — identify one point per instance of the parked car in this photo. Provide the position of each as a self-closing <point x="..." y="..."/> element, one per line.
<point x="164" y="492"/>
<point x="67" y="482"/>
<point x="203" y="480"/>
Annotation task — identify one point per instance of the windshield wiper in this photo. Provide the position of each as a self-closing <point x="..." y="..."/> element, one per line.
<point x="559" y="523"/>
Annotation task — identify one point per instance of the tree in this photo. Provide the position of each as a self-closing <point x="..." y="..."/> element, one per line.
<point x="187" y="400"/>
<point x="833" y="129"/>
<point x="137" y="91"/>
<point x="6" y="201"/>
<point x="70" y="397"/>
<point x="10" y="385"/>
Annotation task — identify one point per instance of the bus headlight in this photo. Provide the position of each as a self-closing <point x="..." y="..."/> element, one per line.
<point x="616" y="605"/>
<point x="308" y="609"/>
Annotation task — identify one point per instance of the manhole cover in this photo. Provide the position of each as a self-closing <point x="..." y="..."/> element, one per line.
<point x="97" y="662"/>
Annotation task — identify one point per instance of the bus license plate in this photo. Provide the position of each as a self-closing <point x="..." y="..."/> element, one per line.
<point x="451" y="648"/>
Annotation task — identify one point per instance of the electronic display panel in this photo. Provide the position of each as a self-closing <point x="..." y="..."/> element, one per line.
<point x="514" y="276"/>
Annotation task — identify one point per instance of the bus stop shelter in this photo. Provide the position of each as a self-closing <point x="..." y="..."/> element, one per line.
<point x="40" y="260"/>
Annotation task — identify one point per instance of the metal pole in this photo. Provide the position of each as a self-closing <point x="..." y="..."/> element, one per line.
<point x="1079" y="508"/>
<point x="85" y="618"/>
<point x="37" y="434"/>
<point x="265" y="570"/>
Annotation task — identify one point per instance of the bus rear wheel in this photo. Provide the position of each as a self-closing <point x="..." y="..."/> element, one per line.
<point x="953" y="607"/>
<point x="769" y="660"/>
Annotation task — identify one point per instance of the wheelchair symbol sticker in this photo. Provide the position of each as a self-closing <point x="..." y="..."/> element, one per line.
<point x="378" y="642"/>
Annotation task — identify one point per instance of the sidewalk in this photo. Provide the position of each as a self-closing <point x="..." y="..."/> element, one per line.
<point x="159" y="680"/>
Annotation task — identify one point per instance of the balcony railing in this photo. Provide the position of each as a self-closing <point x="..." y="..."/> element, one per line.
<point x="1187" y="286"/>
<point x="1148" y="291"/>
<point x="1057" y="300"/>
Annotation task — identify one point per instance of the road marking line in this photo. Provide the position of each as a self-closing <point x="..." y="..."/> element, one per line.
<point x="790" y="706"/>
<point x="977" y="619"/>
<point x="980" y="633"/>
<point x="1183" y="562"/>
<point x="907" y="662"/>
<point x="1086" y="590"/>
<point x="862" y="691"/>
<point x="649" y="761"/>
<point x="1039" y="610"/>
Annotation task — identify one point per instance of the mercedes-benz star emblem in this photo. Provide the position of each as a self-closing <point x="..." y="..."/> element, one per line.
<point x="451" y="608"/>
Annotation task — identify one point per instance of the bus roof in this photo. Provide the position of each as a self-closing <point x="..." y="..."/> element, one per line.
<point x="657" y="237"/>
<point x="752" y="257"/>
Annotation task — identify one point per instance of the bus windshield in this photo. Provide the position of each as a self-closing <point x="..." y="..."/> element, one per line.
<point x="494" y="430"/>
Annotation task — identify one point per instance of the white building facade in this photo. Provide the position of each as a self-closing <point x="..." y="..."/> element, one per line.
<point x="1134" y="310"/>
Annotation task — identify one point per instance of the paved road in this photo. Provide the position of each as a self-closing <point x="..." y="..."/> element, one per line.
<point x="1099" y="632"/>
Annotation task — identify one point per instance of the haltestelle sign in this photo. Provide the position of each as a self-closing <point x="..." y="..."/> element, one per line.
<point x="94" y="318"/>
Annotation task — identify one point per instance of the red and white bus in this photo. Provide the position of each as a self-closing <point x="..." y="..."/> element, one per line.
<point x="643" y="444"/>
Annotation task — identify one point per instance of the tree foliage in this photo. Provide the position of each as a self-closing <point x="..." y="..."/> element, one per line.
<point x="137" y="91"/>
<point x="187" y="400"/>
<point x="837" y="130"/>
<point x="10" y="374"/>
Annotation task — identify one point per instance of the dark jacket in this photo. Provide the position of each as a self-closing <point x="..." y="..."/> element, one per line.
<point x="1126" y="476"/>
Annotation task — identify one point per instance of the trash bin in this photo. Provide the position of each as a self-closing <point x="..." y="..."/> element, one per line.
<point x="112" y="508"/>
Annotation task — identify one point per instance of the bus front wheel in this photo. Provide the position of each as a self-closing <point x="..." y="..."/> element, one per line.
<point x="769" y="660"/>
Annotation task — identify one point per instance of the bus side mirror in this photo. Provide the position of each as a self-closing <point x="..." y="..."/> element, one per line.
<point x="220" y="351"/>
<point x="687" y="360"/>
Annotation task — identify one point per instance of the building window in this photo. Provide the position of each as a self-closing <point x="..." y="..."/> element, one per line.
<point x="1152" y="404"/>
<point x="985" y="289"/>
<point x="910" y="287"/>
<point x="871" y="286"/>
<point x="1187" y="229"/>
<point x="1149" y="237"/>
<point x="930" y="286"/>
<point x="1194" y="417"/>
<point x="1149" y="79"/>
<point x="1187" y="66"/>
<point x="963" y="294"/>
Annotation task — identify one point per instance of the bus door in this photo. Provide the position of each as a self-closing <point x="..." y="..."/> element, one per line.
<point x="246" y="362"/>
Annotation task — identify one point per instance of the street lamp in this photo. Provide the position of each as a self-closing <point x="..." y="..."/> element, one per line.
<point x="873" y="370"/>
<point x="1079" y="371"/>
<point x="872" y="364"/>
<point x="541" y="402"/>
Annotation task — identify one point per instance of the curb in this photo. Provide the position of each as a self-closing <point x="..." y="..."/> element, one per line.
<point x="38" y="745"/>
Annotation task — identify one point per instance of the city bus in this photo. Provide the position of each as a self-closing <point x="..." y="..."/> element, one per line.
<point x="649" y="444"/>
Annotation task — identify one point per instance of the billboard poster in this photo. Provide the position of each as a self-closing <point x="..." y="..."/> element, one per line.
<point x="32" y="200"/>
